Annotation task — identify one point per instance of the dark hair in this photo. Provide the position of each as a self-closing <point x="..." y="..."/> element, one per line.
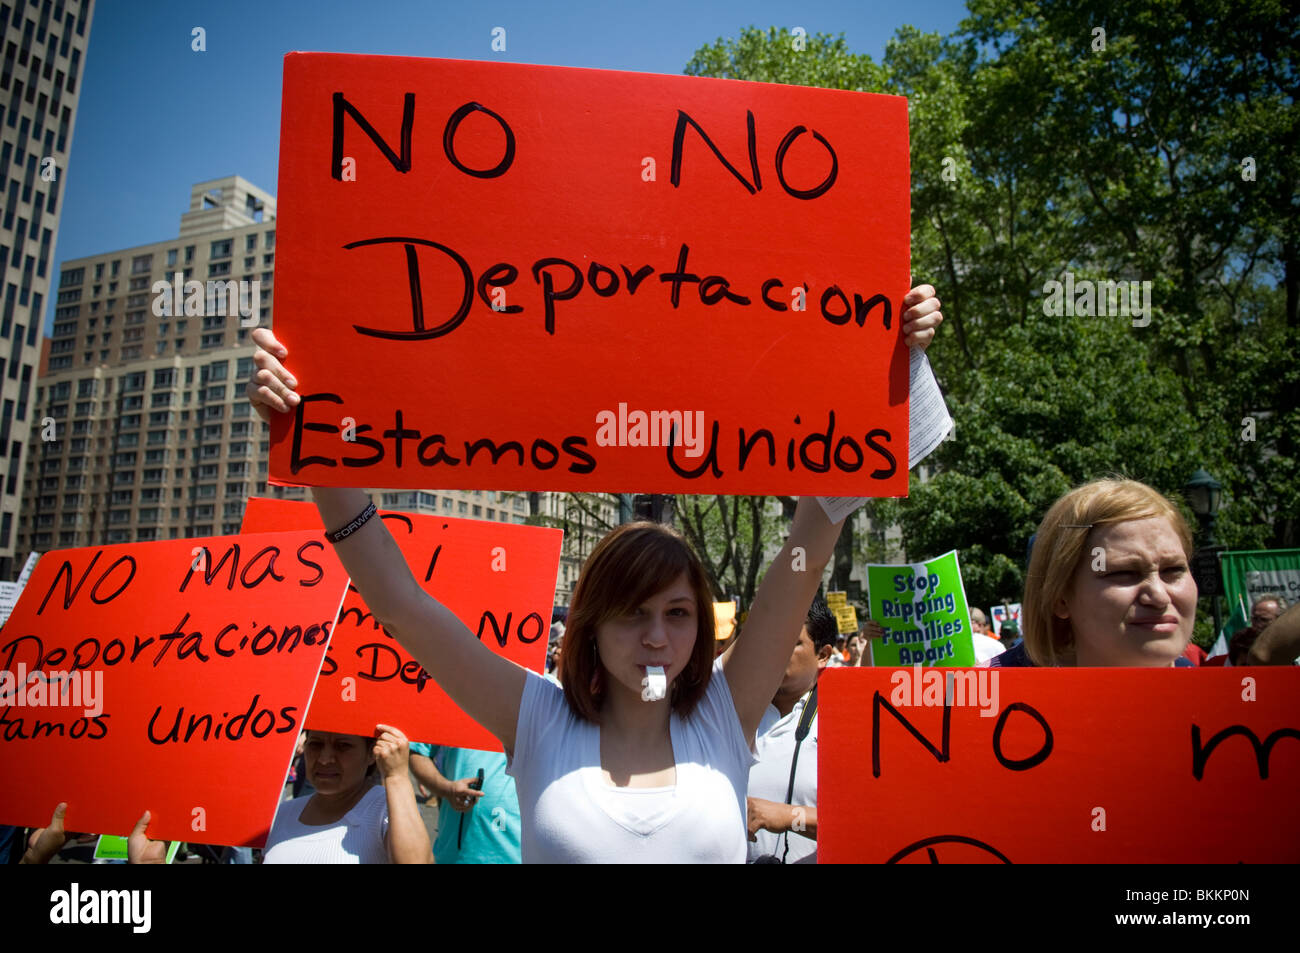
<point x="632" y="563"/>
<point x="1240" y="644"/>
<point x="822" y="628"/>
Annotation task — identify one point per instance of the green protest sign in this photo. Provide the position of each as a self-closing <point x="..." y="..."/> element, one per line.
<point x="922" y="608"/>
<point x="112" y="847"/>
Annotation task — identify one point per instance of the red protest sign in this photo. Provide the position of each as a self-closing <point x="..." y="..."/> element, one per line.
<point x="1059" y="766"/>
<point x="495" y="275"/>
<point x="166" y="676"/>
<point x="497" y="578"/>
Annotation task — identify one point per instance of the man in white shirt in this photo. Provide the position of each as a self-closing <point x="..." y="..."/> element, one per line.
<point x="985" y="643"/>
<point x="784" y="828"/>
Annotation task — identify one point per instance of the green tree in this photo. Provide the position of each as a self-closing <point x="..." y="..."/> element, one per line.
<point x="1107" y="140"/>
<point x="731" y="534"/>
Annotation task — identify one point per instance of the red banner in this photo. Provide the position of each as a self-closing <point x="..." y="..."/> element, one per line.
<point x="167" y="676"/>
<point x="1059" y="766"/>
<point x="497" y="578"/>
<point x="503" y="276"/>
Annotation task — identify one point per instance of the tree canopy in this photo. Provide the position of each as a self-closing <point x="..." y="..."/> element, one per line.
<point x="1150" y="142"/>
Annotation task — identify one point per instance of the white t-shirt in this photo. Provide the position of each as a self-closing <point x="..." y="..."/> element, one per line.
<point x="769" y="779"/>
<point x="571" y="814"/>
<point x="986" y="647"/>
<point x="356" y="838"/>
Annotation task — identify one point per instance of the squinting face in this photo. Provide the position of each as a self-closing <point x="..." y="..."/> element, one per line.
<point x="661" y="631"/>
<point x="1138" y="606"/>
<point x="336" y="763"/>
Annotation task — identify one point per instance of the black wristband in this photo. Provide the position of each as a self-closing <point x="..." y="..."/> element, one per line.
<point x="341" y="534"/>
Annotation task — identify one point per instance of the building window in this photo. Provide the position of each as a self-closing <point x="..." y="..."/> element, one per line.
<point x="220" y="249"/>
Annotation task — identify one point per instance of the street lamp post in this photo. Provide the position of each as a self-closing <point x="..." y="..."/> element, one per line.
<point x="1204" y="494"/>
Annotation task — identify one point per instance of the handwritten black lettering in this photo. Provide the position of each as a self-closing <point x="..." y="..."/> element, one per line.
<point x="1038" y="757"/>
<point x="256" y="720"/>
<point x="822" y="187"/>
<point x="941" y="754"/>
<point x="449" y="142"/>
<point x="1263" y="750"/>
<point x="400" y="163"/>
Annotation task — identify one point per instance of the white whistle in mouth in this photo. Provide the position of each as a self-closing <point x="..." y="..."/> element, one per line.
<point x="655" y="684"/>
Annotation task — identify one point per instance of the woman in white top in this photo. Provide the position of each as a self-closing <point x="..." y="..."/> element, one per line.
<point x="601" y="774"/>
<point x="350" y="819"/>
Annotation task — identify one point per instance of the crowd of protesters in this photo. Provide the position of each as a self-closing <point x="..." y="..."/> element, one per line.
<point x="721" y="765"/>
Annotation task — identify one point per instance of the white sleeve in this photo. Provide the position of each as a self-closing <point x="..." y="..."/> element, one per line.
<point x="718" y="710"/>
<point x="541" y="706"/>
<point x="380" y="812"/>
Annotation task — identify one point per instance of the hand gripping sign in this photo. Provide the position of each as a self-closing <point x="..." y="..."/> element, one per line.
<point x="521" y="277"/>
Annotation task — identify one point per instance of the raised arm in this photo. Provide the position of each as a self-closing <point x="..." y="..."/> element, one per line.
<point x="756" y="662"/>
<point x="408" y="838"/>
<point x="487" y="686"/>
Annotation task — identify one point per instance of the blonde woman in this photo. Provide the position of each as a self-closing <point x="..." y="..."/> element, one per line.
<point x="1109" y="582"/>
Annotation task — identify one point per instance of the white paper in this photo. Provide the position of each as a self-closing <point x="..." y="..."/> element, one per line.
<point x="27" y="568"/>
<point x="840" y="507"/>
<point x="927" y="424"/>
<point x="928" y="420"/>
<point x="9" y="593"/>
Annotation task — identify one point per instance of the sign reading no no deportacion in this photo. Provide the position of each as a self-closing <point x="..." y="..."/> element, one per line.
<point x="168" y="676"/>
<point x="1084" y="765"/>
<point x="526" y="277"/>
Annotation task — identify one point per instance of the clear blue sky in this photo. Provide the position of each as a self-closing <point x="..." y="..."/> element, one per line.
<point x="156" y="117"/>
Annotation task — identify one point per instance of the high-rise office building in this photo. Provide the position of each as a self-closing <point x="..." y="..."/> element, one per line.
<point x="44" y="49"/>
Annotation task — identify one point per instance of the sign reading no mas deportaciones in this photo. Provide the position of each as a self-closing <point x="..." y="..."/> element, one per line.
<point x="169" y="676"/>
<point x="922" y="608"/>
<point x="453" y="232"/>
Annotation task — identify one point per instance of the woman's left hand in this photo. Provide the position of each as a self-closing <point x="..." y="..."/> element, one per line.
<point x="922" y="316"/>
